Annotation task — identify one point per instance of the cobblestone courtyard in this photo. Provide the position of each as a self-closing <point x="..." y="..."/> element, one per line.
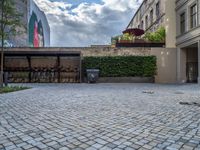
<point x="100" y="116"/>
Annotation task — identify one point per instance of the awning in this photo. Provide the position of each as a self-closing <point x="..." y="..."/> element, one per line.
<point x="134" y="31"/>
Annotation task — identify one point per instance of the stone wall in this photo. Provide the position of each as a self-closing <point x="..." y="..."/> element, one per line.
<point x="94" y="51"/>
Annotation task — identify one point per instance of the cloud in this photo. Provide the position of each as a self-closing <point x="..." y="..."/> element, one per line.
<point x="87" y="23"/>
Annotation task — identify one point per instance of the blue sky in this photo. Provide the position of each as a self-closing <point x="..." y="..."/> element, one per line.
<point x="78" y="23"/>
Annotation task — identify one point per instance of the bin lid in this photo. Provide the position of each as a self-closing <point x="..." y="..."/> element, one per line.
<point x="92" y="70"/>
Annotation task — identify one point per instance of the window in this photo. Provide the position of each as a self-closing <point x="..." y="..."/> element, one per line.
<point x="147" y="24"/>
<point x="142" y="25"/>
<point x="151" y="16"/>
<point x="182" y="22"/>
<point x="158" y="10"/>
<point x="193" y="16"/>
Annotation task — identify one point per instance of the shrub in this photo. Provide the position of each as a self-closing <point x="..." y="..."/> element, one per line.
<point x="158" y="36"/>
<point x="9" y="89"/>
<point x="122" y="66"/>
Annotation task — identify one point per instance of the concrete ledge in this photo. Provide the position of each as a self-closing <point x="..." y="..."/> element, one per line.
<point x="126" y="80"/>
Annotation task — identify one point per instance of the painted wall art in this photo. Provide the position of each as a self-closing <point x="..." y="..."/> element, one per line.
<point x="36" y="34"/>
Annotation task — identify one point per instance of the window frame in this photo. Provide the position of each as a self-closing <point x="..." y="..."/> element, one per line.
<point x="182" y="22"/>
<point x="158" y="9"/>
<point x="193" y="16"/>
<point x="142" y="25"/>
<point x="151" y="16"/>
<point x="146" y="22"/>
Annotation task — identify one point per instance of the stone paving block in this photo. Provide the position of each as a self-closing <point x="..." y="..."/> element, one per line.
<point x="171" y="148"/>
<point x="41" y="146"/>
<point x="97" y="145"/>
<point x="129" y="148"/>
<point x="91" y="148"/>
<point x="12" y="147"/>
<point x="51" y="143"/>
<point x="185" y="147"/>
<point x="147" y="146"/>
<point x="100" y="141"/>
<point x="63" y="148"/>
<point x="112" y="116"/>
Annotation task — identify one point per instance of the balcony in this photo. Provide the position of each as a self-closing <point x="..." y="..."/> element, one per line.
<point x="138" y="43"/>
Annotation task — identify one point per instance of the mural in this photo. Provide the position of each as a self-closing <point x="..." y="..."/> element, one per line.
<point x="36" y="36"/>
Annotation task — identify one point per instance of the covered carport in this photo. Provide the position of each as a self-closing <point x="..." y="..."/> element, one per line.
<point x="42" y="66"/>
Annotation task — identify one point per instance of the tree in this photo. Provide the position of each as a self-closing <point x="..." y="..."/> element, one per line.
<point x="10" y="23"/>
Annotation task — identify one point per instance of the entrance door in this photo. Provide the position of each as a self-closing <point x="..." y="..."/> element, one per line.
<point x="192" y="72"/>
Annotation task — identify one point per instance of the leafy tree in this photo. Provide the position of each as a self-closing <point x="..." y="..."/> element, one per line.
<point x="10" y="22"/>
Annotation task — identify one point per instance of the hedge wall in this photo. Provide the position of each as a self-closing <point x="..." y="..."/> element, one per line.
<point x="122" y="66"/>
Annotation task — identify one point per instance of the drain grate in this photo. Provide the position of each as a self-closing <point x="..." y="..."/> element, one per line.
<point x="148" y="92"/>
<point x="190" y="103"/>
<point x="178" y="92"/>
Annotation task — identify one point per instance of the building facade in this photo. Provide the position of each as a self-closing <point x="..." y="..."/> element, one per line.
<point x="153" y="14"/>
<point x="188" y="40"/>
<point x="36" y="30"/>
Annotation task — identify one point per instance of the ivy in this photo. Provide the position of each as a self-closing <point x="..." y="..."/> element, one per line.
<point x="122" y="66"/>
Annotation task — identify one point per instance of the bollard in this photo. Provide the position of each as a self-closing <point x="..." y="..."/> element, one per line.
<point x="6" y="78"/>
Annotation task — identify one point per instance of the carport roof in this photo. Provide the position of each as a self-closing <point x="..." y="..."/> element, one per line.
<point x="42" y="53"/>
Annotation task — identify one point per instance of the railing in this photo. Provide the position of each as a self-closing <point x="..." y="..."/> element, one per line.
<point x="139" y="43"/>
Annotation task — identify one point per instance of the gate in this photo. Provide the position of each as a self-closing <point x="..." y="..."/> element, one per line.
<point x="43" y="66"/>
<point x="192" y="72"/>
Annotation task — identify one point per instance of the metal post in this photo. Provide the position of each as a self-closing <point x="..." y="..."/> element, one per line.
<point x="58" y="68"/>
<point x="198" y="62"/>
<point x="2" y="44"/>
<point x="6" y="78"/>
<point x="30" y="70"/>
<point x="80" y="67"/>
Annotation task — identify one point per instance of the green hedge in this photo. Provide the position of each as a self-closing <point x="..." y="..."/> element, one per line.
<point x="122" y="66"/>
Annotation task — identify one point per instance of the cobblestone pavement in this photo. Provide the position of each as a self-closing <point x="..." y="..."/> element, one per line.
<point x="100" y="116"/>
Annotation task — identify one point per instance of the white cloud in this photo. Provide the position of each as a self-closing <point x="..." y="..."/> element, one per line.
<point x="87" y="23"/>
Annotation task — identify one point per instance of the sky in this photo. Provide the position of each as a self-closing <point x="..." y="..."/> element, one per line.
<point x="80" y="23"/>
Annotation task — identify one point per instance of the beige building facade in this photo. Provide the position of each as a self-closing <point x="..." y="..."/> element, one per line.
<point x="188" y="40"/>
<point x="153" y="14"/>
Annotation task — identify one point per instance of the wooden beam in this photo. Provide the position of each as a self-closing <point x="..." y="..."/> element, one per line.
<point x="58" y="68"/>
<point x="30" y="70"/>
